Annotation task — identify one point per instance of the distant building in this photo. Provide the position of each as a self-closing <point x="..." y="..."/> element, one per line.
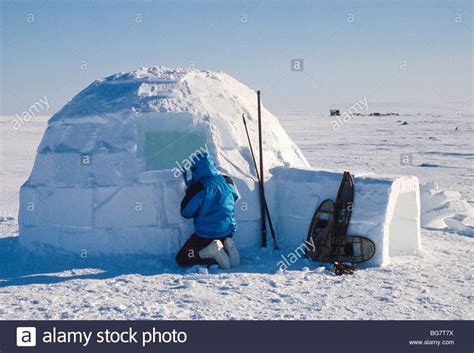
<point x="334" y="112"/>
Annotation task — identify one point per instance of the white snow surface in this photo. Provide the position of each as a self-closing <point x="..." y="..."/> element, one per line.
<point x="435" y="283"/>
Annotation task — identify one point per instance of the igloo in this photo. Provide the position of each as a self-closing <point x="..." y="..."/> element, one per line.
<point x="106" y="176"/>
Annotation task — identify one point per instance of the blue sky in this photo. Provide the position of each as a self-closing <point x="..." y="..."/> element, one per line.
<point x="387" y="51"/>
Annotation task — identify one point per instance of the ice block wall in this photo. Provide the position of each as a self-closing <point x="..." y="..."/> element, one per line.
<point x="386" y="209"/>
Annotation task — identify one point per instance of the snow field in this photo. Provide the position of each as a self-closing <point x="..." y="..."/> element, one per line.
<point x="430" y="286"/>
<point x="435" y="284"/>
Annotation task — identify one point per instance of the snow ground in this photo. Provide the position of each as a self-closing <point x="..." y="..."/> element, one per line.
<point x="437" y="284"/>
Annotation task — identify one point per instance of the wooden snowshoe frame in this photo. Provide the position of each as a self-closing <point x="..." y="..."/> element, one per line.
<point x="328" y="230"/>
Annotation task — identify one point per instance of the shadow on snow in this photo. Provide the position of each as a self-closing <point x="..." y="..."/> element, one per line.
<point x="19" y="266"/>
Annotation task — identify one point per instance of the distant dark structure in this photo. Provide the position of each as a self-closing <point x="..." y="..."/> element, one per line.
<point x="334" y="112"/>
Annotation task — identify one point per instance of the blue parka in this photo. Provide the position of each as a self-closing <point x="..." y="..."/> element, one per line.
<point x="210" y="200"/>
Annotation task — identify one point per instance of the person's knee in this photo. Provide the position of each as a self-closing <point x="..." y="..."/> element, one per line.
<point x="181" y="259"/>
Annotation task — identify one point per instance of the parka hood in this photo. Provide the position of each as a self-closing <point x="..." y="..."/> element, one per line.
<point x="203" y="166"/>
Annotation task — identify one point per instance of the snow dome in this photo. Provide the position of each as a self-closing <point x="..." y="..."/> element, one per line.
<point x="106" y="176"/>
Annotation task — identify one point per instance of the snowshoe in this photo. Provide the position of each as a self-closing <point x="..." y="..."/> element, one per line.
<point x="320" y="230"/>
<point x="343" y="210"/>
<point x="328" y="230"/>
<point x="355" y="249"/>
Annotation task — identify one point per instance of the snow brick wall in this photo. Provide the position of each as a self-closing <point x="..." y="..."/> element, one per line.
<point x="386" y="209"/>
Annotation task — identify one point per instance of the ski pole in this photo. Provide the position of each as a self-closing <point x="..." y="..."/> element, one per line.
<point x="261" y="184"/>
<point x="270" y="223"/>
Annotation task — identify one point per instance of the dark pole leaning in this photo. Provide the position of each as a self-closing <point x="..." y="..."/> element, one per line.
<point x="262" y="177"/>
<point x="270" y="223"/>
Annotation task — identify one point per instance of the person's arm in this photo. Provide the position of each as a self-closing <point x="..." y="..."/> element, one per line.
<point x="235" y="192"/>
<point x="187" y="182"/>
<point x="193" y="199"/>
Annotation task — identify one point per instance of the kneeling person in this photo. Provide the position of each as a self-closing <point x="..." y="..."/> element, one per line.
<point x="210" y="200"/>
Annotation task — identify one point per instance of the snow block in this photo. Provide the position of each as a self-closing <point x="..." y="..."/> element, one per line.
<point x="36" y="237"/>
<point x="43" y="170"/>
<point x="93" y="135"/>
<point x="126" y="240"/>
<point x="69" y="169"/>
<point x="386" y="209"/>
<point x="128" y="206"/>
<point x="248" y="234"/>
<point x="445" y="210"/>
<point x="70" y="206"/>
<point x="247" y="207"/>
<point x="40" y="205"/>
<point x="32" y="208"/>
<point x="169" y="191"/>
